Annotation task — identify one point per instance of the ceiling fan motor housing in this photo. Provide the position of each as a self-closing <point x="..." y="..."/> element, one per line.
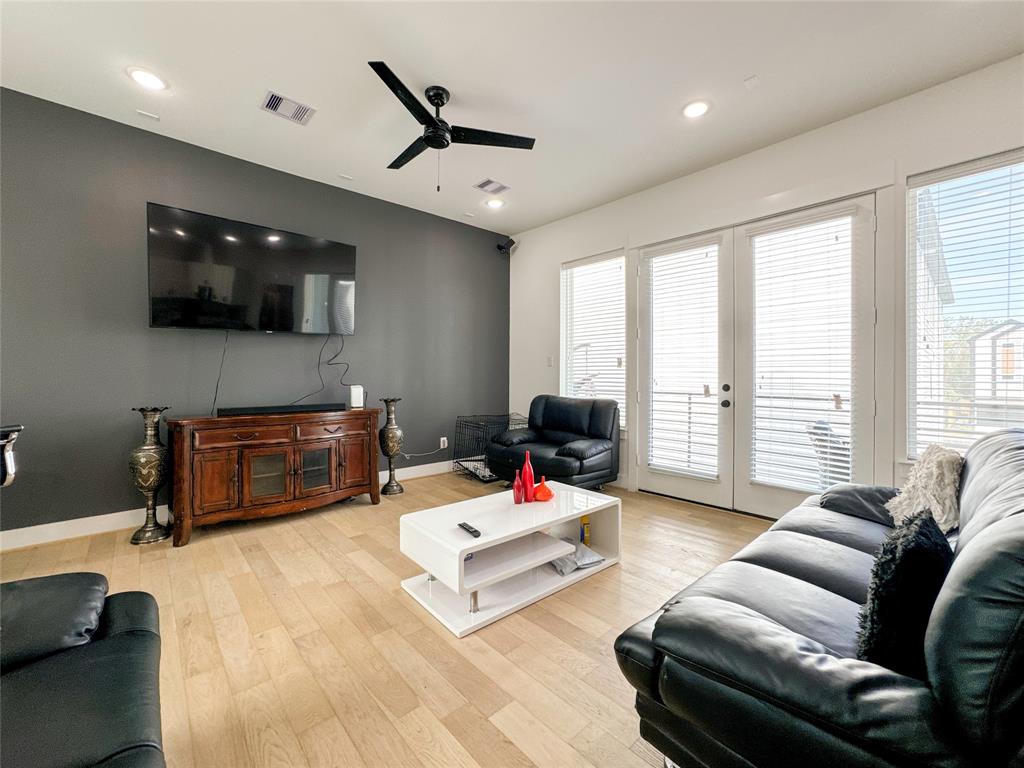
<point x="439" y="136"/>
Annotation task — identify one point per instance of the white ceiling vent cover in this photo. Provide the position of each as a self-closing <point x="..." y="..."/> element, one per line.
<point x="491" y="187"/>
<point x="287" y="108"/>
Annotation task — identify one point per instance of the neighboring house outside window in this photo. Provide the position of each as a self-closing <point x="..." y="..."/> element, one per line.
<point x="965" y="302"/>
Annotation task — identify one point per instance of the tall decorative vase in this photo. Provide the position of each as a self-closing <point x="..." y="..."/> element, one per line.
<point x="148" y="467"/>
<point x="390" y="445"/>
<point x="527" y="476"/>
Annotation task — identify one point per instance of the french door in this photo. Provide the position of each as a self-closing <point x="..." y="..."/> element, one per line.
<point x="756" y="361"/>
<point x="686" y="366"/>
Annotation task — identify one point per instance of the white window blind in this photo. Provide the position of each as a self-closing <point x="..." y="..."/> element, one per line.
<point x="803" y="355"/>
<point x="594" y="330"/>
<point x="683" y="300"/>
<point x="965" y="302"/>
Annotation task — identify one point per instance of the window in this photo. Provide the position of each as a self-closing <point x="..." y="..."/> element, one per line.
<point x="594" y="330"/>
<point x="965" y="302"/>
<point x="803" y="355"/>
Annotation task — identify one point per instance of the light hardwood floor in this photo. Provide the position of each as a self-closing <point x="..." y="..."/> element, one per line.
<point x="289" y="641"/>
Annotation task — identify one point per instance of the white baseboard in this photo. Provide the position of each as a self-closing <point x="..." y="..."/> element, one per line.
<point x="133" y="518"/>
<point x="73" y="529"/>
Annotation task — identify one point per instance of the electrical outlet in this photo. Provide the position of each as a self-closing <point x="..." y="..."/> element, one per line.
<point x="444" y="442"/>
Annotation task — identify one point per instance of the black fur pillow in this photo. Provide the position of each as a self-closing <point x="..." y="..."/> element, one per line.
<point x="905" y="580"/>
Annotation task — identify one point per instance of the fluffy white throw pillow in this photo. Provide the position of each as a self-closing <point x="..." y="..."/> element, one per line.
<point x="932" y="484"/>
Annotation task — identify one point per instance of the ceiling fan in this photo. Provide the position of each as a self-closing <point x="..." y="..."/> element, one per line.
<point x="437" y="134"/>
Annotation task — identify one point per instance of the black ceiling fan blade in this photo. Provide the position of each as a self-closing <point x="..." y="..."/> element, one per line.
<point x="462" y="135"/>
<point x="414" y="105"/>
<point x="410" y="152"/>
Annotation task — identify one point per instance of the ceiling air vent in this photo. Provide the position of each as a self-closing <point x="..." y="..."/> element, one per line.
<point x="491" y="187"/>
<point x="286" y="108"/>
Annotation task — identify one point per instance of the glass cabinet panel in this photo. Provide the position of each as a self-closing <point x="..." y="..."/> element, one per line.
<point x="268" y="474"/>
<point x="316" y="467"/>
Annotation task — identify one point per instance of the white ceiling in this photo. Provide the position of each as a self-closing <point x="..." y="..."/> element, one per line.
<point x="600" y="86"/>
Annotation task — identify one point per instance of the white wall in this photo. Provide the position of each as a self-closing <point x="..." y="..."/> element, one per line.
<point x="972" y="116"/>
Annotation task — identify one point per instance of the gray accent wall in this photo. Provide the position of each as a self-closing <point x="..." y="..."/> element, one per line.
<point x="76" y="352"/>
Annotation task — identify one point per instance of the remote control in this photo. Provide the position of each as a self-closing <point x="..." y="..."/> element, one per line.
<point x="470" y="530"/>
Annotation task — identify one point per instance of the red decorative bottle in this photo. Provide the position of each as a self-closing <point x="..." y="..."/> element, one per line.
<point x="527" y="479"/>
<point x="517" y="489"/>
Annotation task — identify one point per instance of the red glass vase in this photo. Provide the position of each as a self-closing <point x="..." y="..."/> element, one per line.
<point x="517" y="489"/>
<point x="542" y="492"/>
<point x="527" y="479"/>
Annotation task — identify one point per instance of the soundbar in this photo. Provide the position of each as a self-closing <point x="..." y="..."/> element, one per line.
<point x="253" y="410"/>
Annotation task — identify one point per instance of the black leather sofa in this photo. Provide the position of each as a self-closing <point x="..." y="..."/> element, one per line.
<point x="571" y="440"/>
<point x="79" y="675"/>
<point x="755" y="663"/>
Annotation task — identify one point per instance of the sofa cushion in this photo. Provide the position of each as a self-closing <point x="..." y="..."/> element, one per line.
<point x="974" y="646"/>
<point x="859" y="534"/>
<point x="777" y="697"/>
<point x="992" y="482"/>
<point x="561" y="414"/>
<point x="585" y="449"/>
<point x="838" y="568"/>
<point x="48" y="614"/>
<point x="543" y="457"/>
<point x="906" y="578"/>
<point x="100" y="700"/>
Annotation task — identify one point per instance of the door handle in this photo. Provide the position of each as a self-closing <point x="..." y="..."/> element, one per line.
<point x="725" y="387"/>
<point x="250" y="436"/>
<point x="335" y="430"/>
<point x="726" y="403"/>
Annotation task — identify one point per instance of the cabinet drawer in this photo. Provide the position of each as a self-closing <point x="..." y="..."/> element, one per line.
<point x="219" y="438"/>
<point x="325" y="429"/>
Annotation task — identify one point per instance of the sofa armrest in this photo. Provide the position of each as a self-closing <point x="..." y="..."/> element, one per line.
<point x="515" y="437"/>
<point x="864" y="704"/>
<point x="128" y="612"/>
<point x="48" y="614"/>
<point x="584" y="449"/>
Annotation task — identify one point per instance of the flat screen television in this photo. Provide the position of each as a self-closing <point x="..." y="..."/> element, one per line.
<point x="209" y="272"/>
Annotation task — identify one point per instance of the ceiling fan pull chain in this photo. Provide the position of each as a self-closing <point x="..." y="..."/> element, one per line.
<point x="439" y="170"/>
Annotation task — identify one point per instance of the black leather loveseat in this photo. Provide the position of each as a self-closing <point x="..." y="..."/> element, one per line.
<point x="755" y="663"/>
<point x="571" y="440"/>
<point x="80" y="678"/>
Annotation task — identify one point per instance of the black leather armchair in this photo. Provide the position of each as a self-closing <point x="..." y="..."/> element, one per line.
<point x="571" y="440"/>
<point x="79" y="675"/>
<point x="755" y="663"/>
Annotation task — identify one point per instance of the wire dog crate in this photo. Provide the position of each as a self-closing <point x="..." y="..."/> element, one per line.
<point x="472" y="435"/>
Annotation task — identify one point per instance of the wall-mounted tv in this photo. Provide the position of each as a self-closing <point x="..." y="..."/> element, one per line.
<point x="209" y="272"/>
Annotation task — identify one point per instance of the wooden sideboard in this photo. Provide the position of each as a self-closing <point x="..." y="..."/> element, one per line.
<point x="244" y="467"/>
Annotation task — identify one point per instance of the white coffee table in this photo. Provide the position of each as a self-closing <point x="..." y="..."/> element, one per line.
<point x="508" y="570"/>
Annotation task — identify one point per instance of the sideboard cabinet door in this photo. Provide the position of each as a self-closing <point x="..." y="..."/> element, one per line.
<point x="354" y="461"/>
<point x="214" y="481"/>
<point x="267" y="475"/>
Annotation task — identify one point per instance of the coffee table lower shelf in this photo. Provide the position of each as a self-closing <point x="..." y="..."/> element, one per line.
<point x="495" y="601"/>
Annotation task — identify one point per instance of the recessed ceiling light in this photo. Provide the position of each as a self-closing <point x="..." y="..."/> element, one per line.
<point x="696" y="109"/>
<point x="146" y="79"/>
<point x="231" y="238"/>
<point x="180" y="233"/>
<point x="495" y="203"/>
<point x="273" y="238"/>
